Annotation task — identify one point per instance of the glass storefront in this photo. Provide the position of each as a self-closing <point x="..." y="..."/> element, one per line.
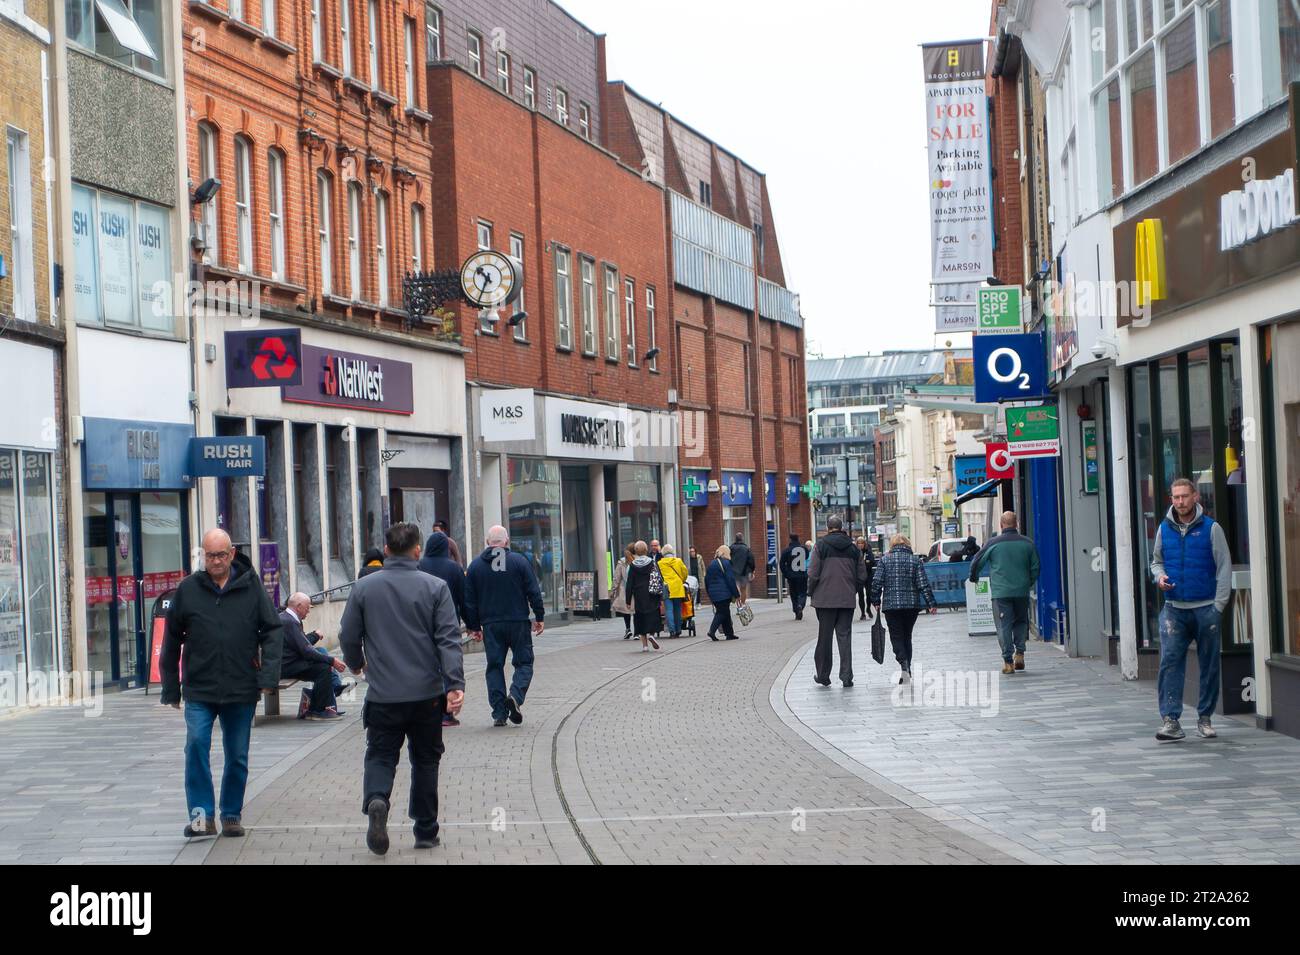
<point x="640" y="515"/>
<point x="136" y="550"/>
<point x="1187" y="421"/>
<point x="1280" y="355"/>
<point x="28" y="622"/>
<point x="535" y="522"/>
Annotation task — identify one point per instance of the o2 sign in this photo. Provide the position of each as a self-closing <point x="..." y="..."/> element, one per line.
<point x="1009" y="367"/>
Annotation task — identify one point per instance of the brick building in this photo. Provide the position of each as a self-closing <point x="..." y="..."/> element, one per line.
<point x="34" y="629"/>
<point x="737" y="335"/>
<point x="318" y="124"/>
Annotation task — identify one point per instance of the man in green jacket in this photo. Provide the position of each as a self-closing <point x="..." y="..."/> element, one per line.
<point x="1012" y="564"/>
<point x="223" y="633"/>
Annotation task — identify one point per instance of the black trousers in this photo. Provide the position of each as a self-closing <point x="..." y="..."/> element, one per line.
<point x="419" y="724"/>
<point x="722" y="619"/>
<point x="837" y="622"/>
<point x="319" y="672"/>
<point x="901" y="623"/>
<point x="798" y="593"/>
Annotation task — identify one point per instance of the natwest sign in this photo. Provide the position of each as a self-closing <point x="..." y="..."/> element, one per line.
<point x="340" y="379"/>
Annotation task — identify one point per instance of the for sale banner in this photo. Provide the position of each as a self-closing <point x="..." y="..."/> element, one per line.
<point x="956" y="107"/>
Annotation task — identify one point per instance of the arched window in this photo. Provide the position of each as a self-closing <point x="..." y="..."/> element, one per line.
<point x="381" y="245"/>
<point x="208" y="211"/>
<point x="275" y="210"/>
<point x="354" y="240"/>
<point x="417" y="238"/>
<point x="243" y="206"/>
<point x="325" y="226"/>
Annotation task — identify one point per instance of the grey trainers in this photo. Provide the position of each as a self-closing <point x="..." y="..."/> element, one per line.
<point x="1170" y="730"/>
<point x="1204" y="728"/>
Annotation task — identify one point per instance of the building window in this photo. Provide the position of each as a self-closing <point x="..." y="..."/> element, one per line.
<point x="21" y="270"/>
<point x="372" y="37"/>
<point x="562" y="106"/>
<point x="28" y="577"/>
<point x="243" y="207"/>
<point x="629" y="315"/>
<point x="122" y="261"/>
<point x="503" y="72"/>
<point x="792" y="376"/>
<point x="517" y="253"/>
<point x="317" y="50"/>
<point x="345" y="34"/>
<point x="484" y="236"/>
<point x="706" y="194"/>
<point x="354" y="240"/>
<point x="275" y="210"/>
<point x="588" y="307"/>
<point x="650" y="324"/>
<point x="324" y="219"/>
<point x="269" y="17"/>
<point x="417" y="239"/>
<point x="1280" y="357"/>
<point x="584" y="120"/>
<point x="408" y="33"/>
<point x="432" y="33"/>
<point x="563" y="299"/>
<point x="208" y="211"/>
<point x="749" y="397"/>
<point x="381" y="245"/>
<point x="475" y="45"/>
<point x="128" y="32"/>
<point x="611" y="313"/>
<point x="236" y="9"/>
<point x="530" y="87"/>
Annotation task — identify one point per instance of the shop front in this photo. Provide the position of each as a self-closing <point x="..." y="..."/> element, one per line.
<point x="30" y="573"/>
<point x="574" y="483"/>
<point x="358" y="432"/>
<point x="1210" y="377"/>
<point x="135" y="510"/>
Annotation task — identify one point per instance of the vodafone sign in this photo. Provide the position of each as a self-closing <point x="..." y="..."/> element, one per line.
<point x="998" y="462"/>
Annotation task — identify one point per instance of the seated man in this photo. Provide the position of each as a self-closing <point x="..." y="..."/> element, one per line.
<point x="303" y="662"/>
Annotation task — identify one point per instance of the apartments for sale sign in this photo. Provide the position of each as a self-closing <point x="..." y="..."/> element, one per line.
<point x="957" y="131"/>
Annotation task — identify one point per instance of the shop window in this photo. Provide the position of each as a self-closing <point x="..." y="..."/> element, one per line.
<point x="369" y="491"/>
<point x="533" y="497"/>
<point x="639" y="507"/>
<point x="735" y="520"/>
<point x="122" y="261"/>
<point x="27" y="578"/>
<point x="273" y="501"/>
<point x="339" y="506"/>
<point x="306" y="506"/>
<point x="1280" y="356"/>
<point x="1147" y="500"/>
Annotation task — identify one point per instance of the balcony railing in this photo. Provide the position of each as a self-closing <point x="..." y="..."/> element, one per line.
<point x="841" y="431"/>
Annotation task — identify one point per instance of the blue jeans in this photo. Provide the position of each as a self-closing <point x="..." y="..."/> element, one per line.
<point x="1012" y="617"/>
<point x="517" y="637"/>
<point x="1179" y="629"/>
<point x="236" y="728"/>
<point x="673" y="611"/>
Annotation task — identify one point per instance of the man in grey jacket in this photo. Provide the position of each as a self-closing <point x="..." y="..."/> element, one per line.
<point x="837" y="572"/>
<point x="400" y="628"/>
<point x="1192" y="565"/>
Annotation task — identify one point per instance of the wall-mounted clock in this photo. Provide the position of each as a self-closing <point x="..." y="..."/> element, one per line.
<point x="489" y="279"/>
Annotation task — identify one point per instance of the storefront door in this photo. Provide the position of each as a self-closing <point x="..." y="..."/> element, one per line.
<point x="136" y="547"/>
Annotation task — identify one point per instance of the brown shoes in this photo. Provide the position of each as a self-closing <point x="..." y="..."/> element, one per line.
<point x="209" y="828"/>
<point x="1019" y="661"/>
<point x="232" y="828"/>
<point x="1008" y="668"/>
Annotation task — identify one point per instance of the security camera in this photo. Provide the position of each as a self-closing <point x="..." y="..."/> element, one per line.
<point x="1099" y="351"/>
<point x="206" y="191"/>
<point x="1103" y="346"/>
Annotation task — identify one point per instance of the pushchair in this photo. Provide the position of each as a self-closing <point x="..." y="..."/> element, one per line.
<point x="688" y="606"/>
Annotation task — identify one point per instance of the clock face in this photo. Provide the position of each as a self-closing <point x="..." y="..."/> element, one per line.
<point x="488" y="279"/>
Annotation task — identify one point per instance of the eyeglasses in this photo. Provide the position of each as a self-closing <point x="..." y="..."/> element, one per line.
<point x="218" y="555"/>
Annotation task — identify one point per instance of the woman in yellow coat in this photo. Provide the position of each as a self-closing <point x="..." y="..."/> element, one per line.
<point x="674" y="573"/>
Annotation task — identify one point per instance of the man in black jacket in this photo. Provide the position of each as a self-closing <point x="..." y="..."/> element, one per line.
<point x="500" y="587"/>
<point x="836" y="574"/>
<point x="302" y="661"/>
<point x="742" y="565"/>
<point x="437" y="560"/>
<point x="400" y="627"/>
<point x="226" y="627"/>
<point x="794" y="568"/>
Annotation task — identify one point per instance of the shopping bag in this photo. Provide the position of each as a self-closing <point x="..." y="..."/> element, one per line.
<point x="745" y="615"/>
<point x="878" y="640"/>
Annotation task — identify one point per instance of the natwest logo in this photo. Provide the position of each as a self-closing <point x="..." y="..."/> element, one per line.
<point x="352" y="378"/>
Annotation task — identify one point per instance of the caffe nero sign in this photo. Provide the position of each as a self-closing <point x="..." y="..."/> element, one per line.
<point x="339" y="379"/>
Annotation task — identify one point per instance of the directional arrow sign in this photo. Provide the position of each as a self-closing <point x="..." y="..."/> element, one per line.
<point x="1034" y="432"/>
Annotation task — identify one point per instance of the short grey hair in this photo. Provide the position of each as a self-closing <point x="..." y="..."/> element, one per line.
<point x="834" y="523"/>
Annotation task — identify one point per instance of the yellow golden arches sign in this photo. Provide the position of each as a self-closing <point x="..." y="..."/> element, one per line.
<point x="1150" y="262"/>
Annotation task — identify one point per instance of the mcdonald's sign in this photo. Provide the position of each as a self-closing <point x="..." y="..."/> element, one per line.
<point x="1149" y="259"/>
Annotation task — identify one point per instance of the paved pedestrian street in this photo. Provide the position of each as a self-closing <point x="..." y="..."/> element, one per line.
<point x="706" y="752"/>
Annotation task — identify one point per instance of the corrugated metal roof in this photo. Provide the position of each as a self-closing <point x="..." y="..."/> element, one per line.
<point x="887" y="366"/>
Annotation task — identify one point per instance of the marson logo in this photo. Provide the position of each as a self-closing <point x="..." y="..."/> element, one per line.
<point x="76" y="908"/>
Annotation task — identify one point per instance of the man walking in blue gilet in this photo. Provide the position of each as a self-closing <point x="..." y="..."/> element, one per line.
<point x="1192" y="564"/>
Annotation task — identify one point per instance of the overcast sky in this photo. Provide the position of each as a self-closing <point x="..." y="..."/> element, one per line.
<point x="825" y="97"/>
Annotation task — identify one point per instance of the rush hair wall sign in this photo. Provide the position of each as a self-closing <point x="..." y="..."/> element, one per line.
<point x="956" y="109"/>
<point x="340" y="379"/>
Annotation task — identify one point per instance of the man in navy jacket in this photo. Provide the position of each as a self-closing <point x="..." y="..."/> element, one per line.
<point x="500" y="588"/>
